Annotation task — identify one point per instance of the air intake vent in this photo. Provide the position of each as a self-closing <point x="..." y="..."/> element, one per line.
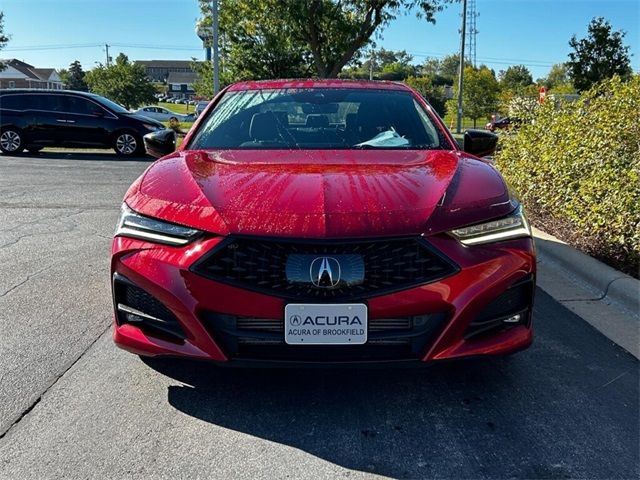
<point x="138" y="307"/>
<point x="263" y="339"/>
<point x="504" y="310"/>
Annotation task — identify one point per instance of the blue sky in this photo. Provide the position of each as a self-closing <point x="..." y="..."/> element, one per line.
<point x="53" y="33"/>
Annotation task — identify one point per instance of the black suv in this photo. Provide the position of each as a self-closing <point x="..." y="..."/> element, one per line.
<point x="34" y="119"/>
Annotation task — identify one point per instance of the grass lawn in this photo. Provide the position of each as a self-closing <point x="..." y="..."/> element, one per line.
<point x="451" y="122"/>
<point x="184" y="126"/>
<point x="178" y="108"/>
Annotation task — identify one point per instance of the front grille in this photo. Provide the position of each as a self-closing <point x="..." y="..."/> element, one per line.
<point x="260" y="265"/>
<point x="406" y="338"/>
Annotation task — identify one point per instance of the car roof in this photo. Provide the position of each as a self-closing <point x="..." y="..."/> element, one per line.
<point x="47" y="90"/>
<point x="319" y="83"/>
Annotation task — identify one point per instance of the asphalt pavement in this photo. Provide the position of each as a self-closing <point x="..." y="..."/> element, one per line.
<point x="72" y="405"/>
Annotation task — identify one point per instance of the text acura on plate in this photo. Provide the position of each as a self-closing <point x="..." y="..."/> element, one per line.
<point x="321" y="221"/>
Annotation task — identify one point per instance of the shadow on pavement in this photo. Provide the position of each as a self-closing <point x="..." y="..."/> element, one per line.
<point x="93" y="155"/>
<point x="544" y="413"/>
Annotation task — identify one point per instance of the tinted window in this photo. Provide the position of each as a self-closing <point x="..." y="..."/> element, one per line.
<point x="319" y="118"/>
<point x="80" y="105"/>
<point x="13" y="102"/>
<point x="111" y="105"/>
<point x="33" y="101"/>
<point x="53" y="103"/>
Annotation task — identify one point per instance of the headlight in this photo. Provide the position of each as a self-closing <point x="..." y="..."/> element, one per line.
<point x="514" y="225"/>
<point x="134" y="225"/>
<point x="151" y="127"/>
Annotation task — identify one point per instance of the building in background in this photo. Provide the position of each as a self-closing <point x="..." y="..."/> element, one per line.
<point x="180" y="84"/>
<point x="159" y="70"/>
<point x="18" y="74"/>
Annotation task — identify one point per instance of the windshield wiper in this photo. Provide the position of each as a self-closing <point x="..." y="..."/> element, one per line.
<point x="394" y="147"/>
<point x="365" y="146"/>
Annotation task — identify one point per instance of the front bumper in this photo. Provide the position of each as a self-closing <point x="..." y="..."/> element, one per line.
<point x="181" y="313"/>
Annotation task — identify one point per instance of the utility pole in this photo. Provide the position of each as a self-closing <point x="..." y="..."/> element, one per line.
<point x="461" y="66"/>
<point x="216" y="59"/>
<point x="106" y="47"/>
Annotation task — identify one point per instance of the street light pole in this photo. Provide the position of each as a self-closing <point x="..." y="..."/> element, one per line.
<point x="461" y="66"/>
<point x="216" y="59"/>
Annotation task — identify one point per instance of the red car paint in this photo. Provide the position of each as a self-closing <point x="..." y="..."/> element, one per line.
<point x="322" y="194"/>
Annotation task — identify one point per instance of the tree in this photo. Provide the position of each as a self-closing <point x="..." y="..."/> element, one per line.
<point x="319" y="34"/>
<point x="257" y="44"/>
<point x="557" y="80"/>
<point x="123" y="82"/>
<point x="433" y="93"/>
<point x="450" y="66"/>
<point x="3" y="38"/>
<point x="63" y="73"/>
<point x="515" y="78"/>
<point x="479" y="95"/>
<point x="430" y="67"/>
<point x="203" y="86"/>
<point x="599" y="56"/>
<point x="444" y="71"/>
<point x="75" y="79"/>
<point x="558" y="75"/>
<point x="384" y="64"/>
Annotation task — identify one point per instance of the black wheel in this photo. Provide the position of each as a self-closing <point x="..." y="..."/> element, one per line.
<point x="34" y="150"/>
<point x="11" y="142"/>
<point x="127" y="144"/>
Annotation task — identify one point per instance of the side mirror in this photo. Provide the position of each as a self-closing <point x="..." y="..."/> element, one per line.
<point x="160" y="143"/>
<point x="480" y="143"/>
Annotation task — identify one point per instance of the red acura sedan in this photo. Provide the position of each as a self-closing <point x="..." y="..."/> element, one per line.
<point x="321" y="221"/>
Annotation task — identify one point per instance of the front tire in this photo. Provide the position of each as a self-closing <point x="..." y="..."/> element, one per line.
<point x="11" y="141"/>
<point x="127" y="144"/>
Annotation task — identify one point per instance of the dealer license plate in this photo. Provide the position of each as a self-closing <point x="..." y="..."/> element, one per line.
<point x="325" y="324"/>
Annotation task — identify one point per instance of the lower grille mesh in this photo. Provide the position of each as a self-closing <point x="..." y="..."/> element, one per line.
<point x="263" y="339"/>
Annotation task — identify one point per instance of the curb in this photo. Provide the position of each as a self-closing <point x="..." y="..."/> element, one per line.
<point x="603" y="297"/>
<point x="610" y="283"/>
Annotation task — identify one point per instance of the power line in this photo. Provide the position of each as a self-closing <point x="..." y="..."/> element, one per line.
<point x="27" y="48"/>
<point x="155" y="47"/>
<point x="50" y="47"/>
<point x="504" y="61"/>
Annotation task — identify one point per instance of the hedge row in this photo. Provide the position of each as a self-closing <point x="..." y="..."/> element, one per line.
<point x="576" y="168"/>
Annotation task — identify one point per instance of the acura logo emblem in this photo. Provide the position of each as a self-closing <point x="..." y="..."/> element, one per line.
<point x="325" y="272"/>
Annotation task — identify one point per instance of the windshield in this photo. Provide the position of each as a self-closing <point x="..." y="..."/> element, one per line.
<point x="319" y="118"/>
<point x="111" y="105"/>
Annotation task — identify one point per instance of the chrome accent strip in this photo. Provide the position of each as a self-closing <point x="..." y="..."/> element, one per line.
<point x="133" y="311"/>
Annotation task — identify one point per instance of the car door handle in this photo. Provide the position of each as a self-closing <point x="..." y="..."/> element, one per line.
<point x="70" y="121"/>
<point x="59" y="120"/>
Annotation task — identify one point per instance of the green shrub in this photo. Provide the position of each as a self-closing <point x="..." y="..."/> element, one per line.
<point x="576" y="168"/>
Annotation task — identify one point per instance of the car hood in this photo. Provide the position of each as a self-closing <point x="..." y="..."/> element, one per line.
<point x="320" y="194"/>
<point x="142" y="118"/>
